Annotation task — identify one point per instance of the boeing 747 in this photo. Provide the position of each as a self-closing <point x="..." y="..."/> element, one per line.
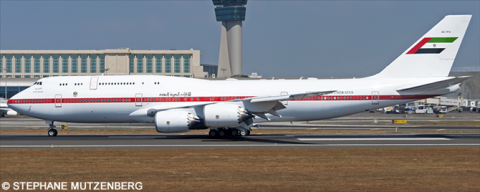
<point x="175" y="104"/>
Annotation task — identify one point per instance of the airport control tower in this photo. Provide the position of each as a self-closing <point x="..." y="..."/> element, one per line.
<point x="231" y="13"/>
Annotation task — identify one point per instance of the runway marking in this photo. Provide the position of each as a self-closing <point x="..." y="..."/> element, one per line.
<point x="334" y="125"/>
<point x="371" y="139"/>
<point x="334" y="128"/>
<point x="234" y="145"/>
<point x="136" y="137"/>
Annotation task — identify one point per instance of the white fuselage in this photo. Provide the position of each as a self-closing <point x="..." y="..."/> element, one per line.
<point x="125" y="99"/>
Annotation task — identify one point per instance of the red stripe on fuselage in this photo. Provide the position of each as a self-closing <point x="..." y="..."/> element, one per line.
<point x="419" y="45"/>
<point x="209" y="99"/>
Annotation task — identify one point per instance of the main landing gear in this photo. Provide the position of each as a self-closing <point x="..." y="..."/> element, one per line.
<point x="223" y="132"/>
<point x="52" y="132"/>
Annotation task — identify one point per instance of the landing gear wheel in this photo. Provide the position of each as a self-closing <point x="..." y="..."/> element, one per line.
<point x="248" y="133"/>
<point x="213" y="133"/>
<point x="243" y="133"/>
<point x="52" y="132"/>
<point x="221" y="133"/>
<point x="234" y="132"/>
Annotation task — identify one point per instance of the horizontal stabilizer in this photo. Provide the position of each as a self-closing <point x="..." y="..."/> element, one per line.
<point x="289" y="97"/>
<point x="435" y="85"/>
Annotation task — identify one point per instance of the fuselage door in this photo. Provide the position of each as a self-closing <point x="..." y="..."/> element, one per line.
<point x="375" y="97"/>
<point x="284" y="93"/>
<point x="58" y="100"/>
<point x="138" y="99"/>
<point x="93" y="83"/>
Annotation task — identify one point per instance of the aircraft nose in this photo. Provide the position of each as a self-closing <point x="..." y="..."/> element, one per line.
<point x="10" y="102"/>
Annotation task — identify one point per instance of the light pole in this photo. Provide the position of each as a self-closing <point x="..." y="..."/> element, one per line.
<point x="5" y="76"/>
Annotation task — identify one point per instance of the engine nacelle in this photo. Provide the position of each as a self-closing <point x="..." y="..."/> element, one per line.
<point x="173" y="121"/>
<point x="12" y="112"/>
<point x="224" y="115"/>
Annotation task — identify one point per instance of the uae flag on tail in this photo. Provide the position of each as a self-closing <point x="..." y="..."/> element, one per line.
<point x="432" y="45"/>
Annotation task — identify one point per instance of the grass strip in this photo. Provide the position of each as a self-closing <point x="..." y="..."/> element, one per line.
<point x="422" y="169"/>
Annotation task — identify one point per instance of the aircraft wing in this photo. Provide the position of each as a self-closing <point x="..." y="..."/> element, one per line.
<point x="274" y="100"/>
<point x="8" y="111"/>
<point x="2" y="109"/>
<point x="151" y="111"/>
<point x="288" y="97"/>
<point x="434" y="85"/>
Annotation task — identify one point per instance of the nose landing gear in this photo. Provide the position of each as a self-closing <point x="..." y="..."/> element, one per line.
<point x="52" y="132"/>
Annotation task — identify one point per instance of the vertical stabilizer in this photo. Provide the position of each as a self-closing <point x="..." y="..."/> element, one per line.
<point x="433" y="54"/>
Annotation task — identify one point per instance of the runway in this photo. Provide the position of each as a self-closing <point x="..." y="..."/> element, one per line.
<point x="357" y="122"/>
<point x="270" y="139"/>
<point x="253" y="141"/>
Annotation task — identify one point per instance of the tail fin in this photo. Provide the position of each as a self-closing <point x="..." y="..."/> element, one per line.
<point x="434" y="53"/>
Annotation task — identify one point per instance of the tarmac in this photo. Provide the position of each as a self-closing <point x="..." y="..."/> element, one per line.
<point x="361" y="121"/>
<point x="252" y="141"/>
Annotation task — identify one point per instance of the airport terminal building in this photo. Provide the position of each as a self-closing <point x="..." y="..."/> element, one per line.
<point x="20" y="68"/>
<point x="47" y="63"/>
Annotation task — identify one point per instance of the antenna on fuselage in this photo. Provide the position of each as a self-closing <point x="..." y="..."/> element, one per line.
<point x="106" y="69"/>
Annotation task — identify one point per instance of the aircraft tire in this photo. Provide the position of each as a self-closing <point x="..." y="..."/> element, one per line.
<point x="234" y="132"/>
<point x="221" y="133"/>
<point x="213" y="133"/>
<point x="248" y="133"/>
<point x="243" y="133"/>
<point x="52" y="132"/>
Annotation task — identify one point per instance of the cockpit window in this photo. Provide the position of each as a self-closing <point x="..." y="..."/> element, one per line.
<point x="37" y="83"/>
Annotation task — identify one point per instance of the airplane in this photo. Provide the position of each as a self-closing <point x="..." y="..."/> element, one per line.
<point x="233" y="107"/>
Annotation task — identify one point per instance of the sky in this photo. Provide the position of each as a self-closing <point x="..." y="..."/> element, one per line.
<point x="290" y="38"/>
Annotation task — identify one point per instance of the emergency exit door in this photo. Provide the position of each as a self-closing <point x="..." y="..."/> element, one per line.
<point x="93" y="83"/>
<point x="138" y="99"/>
<point x="284" y="93"/>
<point x="375" y="97"/>
<point x="58" y="100"/>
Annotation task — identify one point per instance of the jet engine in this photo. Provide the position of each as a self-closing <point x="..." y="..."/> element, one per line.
<point x="12" y="112"/>
<point x="224" y="115"/>
<point x="173" y="121"/>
